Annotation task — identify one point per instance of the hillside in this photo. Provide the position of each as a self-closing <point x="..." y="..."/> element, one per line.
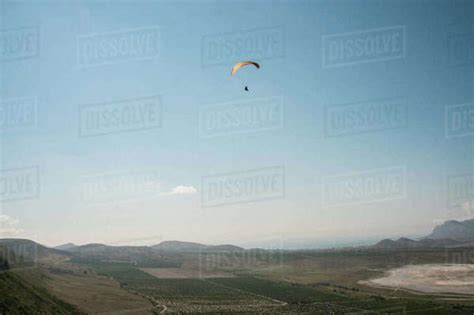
<point x="21" y="289"/>
<point x="142" y="256"/>
<point x="387" y="244"/>
<point x="178" y="246"/>
<point x="21" y="292"/>
<point x="23" y="251"/>
<point x="449" y="234"/>
<point x="160" y="255"/>
<point x="66" y="247"/>
<point x="456" y="230"/>
<point x="224" y="247"/>
<point x="406" y="243"/>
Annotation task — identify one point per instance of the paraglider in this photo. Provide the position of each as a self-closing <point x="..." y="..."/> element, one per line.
<point x="243" y="64"/>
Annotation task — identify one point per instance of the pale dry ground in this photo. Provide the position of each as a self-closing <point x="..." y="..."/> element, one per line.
<point x="179" y="273"/>
<point x="429" y="278"/>
<point x="93" y="294"/>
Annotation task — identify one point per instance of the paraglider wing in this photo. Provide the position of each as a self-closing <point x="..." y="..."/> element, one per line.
<point x="243" y="64"/>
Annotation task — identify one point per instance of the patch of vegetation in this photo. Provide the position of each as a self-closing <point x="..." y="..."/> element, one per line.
<point x="183" y="295"/>
<point x="333" y="289"/>
<point x="284" y="291"/>
<point x="144" y="263"/>
<point x="122" y="272"/>
<point x="23" y="296"/>
<point x="328" y="298"/>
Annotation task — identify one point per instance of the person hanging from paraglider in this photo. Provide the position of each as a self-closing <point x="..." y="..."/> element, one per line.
<point x="243" y="64"/>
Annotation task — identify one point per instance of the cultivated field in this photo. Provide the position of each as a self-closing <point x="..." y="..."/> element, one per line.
<point x="306" y="282"/>
<point x="94" y="294"/>
<point x="180" y="273"/>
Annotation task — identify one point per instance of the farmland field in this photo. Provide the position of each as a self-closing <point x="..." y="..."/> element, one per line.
<point x="184" y="295"/>
<point x="278" y="289"/>
<point x="179" y="273"/>
<point x="94" y="294"/>
<point x="310" y="282"/>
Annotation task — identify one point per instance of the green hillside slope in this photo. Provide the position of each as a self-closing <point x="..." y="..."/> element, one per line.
<point x="19" y="296"/>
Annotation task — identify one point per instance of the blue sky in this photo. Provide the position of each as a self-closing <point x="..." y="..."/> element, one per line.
<point x="425" y="79"/>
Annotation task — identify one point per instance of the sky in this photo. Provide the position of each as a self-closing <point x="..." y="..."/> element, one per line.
<point x="121" y="124"/>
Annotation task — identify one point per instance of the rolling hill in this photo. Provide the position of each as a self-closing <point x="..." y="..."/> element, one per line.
<point x="23" y="251"/>
<point x="451" y="233"/>
<point x="26" y="295"/>
<point x="178" y="246"/>
<point x="66" y="247"/>
<point x="143" y="256"/>
<point x="21" y="288"/>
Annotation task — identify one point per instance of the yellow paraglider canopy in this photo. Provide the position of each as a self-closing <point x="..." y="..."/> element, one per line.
<point x="243" y="64"/>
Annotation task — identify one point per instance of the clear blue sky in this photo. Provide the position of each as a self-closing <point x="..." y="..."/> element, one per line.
<point x="426" y="77"/>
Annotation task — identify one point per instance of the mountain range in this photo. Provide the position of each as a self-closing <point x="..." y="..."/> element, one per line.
<point x="165" y="246"/>
<point x="451" y="233"/>
<point x="455" y="230"/>
<point x="178" y="246"/>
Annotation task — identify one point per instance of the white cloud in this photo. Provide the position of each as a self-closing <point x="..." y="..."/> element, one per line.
<point x="8" y="226"/>
<point x="182" y="190"/>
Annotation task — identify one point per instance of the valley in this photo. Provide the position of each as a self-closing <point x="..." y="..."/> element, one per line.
<point x="96" y="279"/>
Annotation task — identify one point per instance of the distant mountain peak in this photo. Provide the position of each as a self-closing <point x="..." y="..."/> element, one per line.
<point x="451" y="233"/>
<point x="455" y="230"/>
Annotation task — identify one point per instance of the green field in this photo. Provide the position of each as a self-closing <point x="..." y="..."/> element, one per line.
<point x="21" y="292"/>
<point x="183" y="295"/>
